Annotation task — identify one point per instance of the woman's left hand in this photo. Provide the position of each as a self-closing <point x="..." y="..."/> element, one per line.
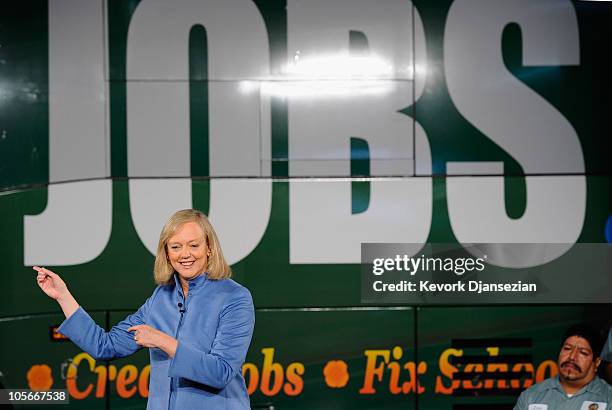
<point x="146" y="336"/>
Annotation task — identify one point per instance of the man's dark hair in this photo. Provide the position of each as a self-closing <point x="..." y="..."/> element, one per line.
<point x="588" y="333"/>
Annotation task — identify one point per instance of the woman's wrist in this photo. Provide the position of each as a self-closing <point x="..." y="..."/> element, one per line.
<point x="68" y="304"/>
<point x="170" y="345"/>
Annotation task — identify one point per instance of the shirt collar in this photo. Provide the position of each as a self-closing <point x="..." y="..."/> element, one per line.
<point x="556" y="384"/>
<point x="593" y="386"/>
<point x="194" y="284"/>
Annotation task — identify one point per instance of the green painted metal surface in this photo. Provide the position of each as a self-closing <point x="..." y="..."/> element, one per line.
<point x="307" y="313"/>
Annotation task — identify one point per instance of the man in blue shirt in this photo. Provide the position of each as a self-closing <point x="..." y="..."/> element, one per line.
<point x="577" y="385"/>
<point x="606" y="356"/>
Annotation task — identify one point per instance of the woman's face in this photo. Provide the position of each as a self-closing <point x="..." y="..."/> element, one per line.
<point x="188" y="251"/>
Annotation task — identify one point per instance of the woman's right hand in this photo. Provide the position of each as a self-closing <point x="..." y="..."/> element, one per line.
<point x="51" y="283"/>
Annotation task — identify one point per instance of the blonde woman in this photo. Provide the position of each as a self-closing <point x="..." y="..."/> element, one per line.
<point x="197" y="324"/>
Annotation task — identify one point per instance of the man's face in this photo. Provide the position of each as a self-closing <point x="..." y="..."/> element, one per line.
<point x="576" y="361"/>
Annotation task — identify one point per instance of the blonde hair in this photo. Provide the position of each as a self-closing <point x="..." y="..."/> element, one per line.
<point x="217" y="266"/>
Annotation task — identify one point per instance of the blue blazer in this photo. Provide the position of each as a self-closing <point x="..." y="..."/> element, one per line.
<point x="213" y="333"/>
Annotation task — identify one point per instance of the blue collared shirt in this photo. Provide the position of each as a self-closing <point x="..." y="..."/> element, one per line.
<point x="549" y="395"/>
<point x="213" y="333"/>
<point x="606" y="353"/>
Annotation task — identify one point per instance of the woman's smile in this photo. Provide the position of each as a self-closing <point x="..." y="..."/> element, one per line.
<point x="188" y="251"/>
